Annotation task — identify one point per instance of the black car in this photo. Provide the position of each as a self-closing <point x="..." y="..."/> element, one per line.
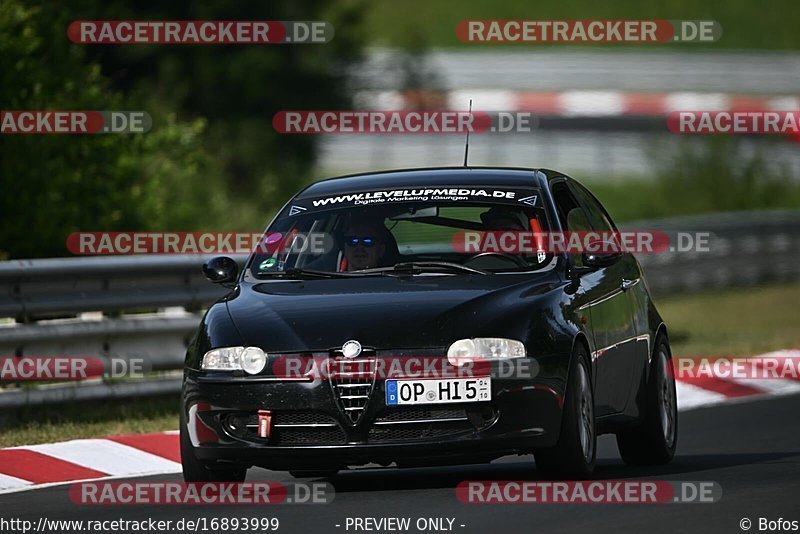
<point x="571" y="343"/>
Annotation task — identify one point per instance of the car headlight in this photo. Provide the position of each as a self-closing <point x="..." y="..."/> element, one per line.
<point x="251" y="360"/>
<point x="484" y="348"/>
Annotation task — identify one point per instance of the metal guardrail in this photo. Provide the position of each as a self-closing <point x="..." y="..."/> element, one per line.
<point x="49" y="298"/>
<point x="35" y="289"/>
<point x="745" y="249"/>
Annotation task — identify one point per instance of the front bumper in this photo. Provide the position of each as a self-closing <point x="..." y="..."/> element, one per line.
<point x="310" y="429"/>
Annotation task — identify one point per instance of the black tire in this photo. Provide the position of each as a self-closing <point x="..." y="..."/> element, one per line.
<point x="574" y="455"/>
<point x="314" y="473"/>
<point x="196" y="471"/>
<point x="654" y="440"/>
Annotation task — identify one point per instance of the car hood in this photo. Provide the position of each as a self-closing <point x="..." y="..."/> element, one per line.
<point x="385" y="312"/>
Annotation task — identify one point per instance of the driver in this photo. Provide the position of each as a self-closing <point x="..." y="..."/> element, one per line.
<point x="502" y="218"/>
<point x="364" y="244"/>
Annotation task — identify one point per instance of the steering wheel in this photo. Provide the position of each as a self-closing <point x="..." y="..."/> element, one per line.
<point x="516" y="260"/>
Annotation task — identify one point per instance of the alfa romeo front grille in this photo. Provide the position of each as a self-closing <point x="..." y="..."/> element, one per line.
<point x="352" y="381"/>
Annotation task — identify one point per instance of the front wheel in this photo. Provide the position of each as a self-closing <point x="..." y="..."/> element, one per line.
<point x="575" y="453"/>
<point x="654" y="440"/>
<point x="196" y="471"/>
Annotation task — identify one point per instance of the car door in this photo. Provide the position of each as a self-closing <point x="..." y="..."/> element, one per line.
<point x="612" y="312"/>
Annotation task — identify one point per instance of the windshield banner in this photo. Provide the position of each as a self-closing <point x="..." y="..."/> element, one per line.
<point x="529" y="197"/>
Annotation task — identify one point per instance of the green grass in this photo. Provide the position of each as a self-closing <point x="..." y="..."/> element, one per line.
<point x="421" y="23"/>
<point x="736" y="322"/>
<point x="730" y="323"/>
<point x="47" y="424"/>
<point x="639" y="199"/>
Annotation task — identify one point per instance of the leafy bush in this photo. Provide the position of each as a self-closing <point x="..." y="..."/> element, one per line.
<point x="702" y="175"/>
<point x="56" y="184"/>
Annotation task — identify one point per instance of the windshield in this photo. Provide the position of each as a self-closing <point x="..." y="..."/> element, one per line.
<point x="449" y="230"/>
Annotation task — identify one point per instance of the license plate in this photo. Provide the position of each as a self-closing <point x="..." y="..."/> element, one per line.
<point x="438" y="391"/>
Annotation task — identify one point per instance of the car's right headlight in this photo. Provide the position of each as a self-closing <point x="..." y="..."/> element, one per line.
<point x="251" y="360"/>
<point x="484" y="348"/>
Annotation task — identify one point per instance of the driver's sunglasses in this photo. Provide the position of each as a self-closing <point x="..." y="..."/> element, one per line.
<point x="354" y="241"/>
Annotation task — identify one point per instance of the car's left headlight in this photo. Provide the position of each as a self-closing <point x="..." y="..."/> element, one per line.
<point x="251" y="360"/>
<point x="484" y="348"/>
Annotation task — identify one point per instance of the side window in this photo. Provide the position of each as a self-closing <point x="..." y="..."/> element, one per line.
<point x="565" y="202"/>
<point x="598" y="217"/>
<point x="573" y="217"/>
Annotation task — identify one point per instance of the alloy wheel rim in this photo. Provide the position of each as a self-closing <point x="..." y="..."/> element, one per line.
<point x="667" y="401"/>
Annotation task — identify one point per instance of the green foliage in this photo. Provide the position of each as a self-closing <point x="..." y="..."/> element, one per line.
<point x="239" y="88"/>
<point x="702" y="175"/>
<point x="745" y="24"/>
<point x="212" y="160"/>
<point x="56" y="184"/>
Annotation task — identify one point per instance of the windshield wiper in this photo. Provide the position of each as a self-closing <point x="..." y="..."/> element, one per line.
<point x="296" y="272"/>
<point x="409" y="267"/>
<point x="413" y="267"/>
<point x="433" y="266"/>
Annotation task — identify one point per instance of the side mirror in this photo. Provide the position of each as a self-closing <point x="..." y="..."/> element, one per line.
<point x="221" y="270"/>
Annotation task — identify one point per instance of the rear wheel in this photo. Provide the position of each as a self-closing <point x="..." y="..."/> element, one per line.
<point x="654" y="440"/>
<point x="196" y="471"/>
<point x="574" y="454"/>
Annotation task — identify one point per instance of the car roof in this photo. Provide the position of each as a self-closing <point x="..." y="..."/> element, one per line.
<point x="443" y="176"/>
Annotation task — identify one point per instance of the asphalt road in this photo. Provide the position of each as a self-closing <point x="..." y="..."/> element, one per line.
<point x="751" y="449"/>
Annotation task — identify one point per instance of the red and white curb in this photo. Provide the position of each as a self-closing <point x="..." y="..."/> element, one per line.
<point x="36" y="466"/>
<point x="49" y="464"/>
<point x="703" y="391"/>
<point x="581" y="103"/>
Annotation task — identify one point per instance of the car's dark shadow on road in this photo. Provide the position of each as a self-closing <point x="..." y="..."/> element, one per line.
<point x="392" y="479"/>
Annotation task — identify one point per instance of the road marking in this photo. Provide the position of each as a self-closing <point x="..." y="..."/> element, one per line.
<point x="107" y="456"/>
<point x="26" y="464"/>
<point x="690" y="396"/>
<point x="164" y="445"/>
<point x="9" y="482"/>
